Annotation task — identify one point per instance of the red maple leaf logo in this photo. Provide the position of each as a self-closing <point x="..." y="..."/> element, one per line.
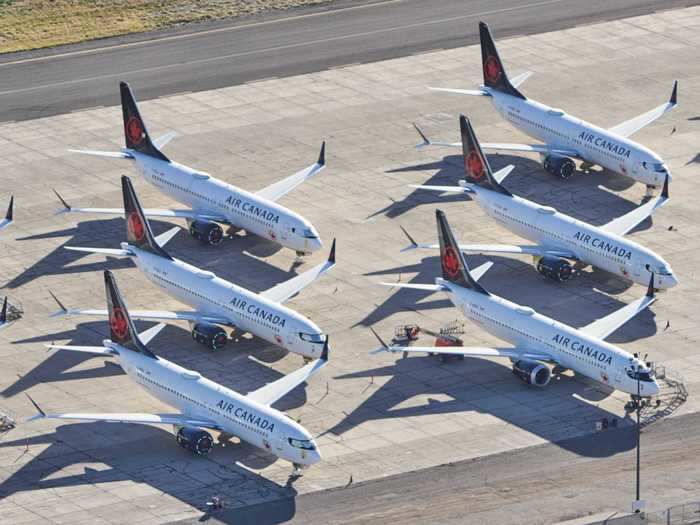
<point x="450" y="261"/>
<point x="118" y="324"/>
<point x="134" y="130"/>
<point x="136" y="227"/>
<point x="474" y="166"/>
<point x="492" y="70"/>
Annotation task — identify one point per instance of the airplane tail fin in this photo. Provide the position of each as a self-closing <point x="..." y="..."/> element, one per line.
<point x="135" y="131"/>
<point x="121" y="327"/>
<point x="476" y="165"/>
<point x="138" y="231"/>
<point x="454" y="266"/>
<point x="494" y="73"/>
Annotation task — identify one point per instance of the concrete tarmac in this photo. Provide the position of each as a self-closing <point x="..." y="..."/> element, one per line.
<point x="220" y="54"/>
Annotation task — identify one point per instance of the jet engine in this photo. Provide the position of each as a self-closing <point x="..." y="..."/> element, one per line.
<point x="555" y="268"/>
<point x="207" y="232"/>
<point x="562" y="167"/>
<point x="532" y="372"/>
<point x="195" y="440"/>
<point x="209" y="335"/>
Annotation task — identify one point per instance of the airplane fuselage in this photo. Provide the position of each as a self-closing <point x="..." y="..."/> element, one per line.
<point x="596" y="145"/>
<point x="570" y="348"/>
<point x="198" y="397"/>
<point x="247" y="311"/>
<point x="208" y="195"/>
<point x="547" y="227"/>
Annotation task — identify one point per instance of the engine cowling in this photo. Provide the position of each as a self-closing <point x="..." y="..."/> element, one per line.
<point x="532" y="372"/>
<point x="209" y="335"/>
<point x="195" y="440"/>
<point x="562" y="167"/>
<point x="207" y="232"/>
<point x="555" y="268"/>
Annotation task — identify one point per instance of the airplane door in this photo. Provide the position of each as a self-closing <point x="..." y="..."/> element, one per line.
<point x="286" y="232"/>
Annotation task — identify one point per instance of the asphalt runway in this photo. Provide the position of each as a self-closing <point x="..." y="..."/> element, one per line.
<point x="53" y="82"/>
<point x="550" y="484"/>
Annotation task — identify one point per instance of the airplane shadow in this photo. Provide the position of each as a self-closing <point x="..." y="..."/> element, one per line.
<point x="580" y="196"/>
<point x="519" y="282"/>
<point x="554" y="409"/>
<point x="142" y="454"/>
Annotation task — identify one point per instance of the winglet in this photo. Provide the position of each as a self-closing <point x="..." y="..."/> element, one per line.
<point x="413" y="242"/>
<point x="324" y="353"/>
<point x="41" y="413"/>
<point x="664" y="191"/>
<point x="63" y="309"/>
<point x="66" y="206"/>
<point x="425" y="142"/>
<point x="650" y="289"/>
<point x="674" y="94"/>
<point x="8" y="215"/>
<point x="331" y="256"/>
<point x="3" y="312"/>
<point x="322" y="156"/>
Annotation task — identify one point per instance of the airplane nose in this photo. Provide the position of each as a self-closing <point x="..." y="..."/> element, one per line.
<point x="315" y="244"/>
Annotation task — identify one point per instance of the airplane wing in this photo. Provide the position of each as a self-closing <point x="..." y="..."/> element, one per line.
<point x="604" y="327"/>
<point x="629" y="221"/>
<point x="493" y="248"/>
<point x="467" y="351"/>
<point x="288" y="289"/>
<point x="279" y="189"/>
<point x="273" y="392"/>
<point x="149" y="212"/>
<point x="505" y="146"/>
<point x="630" y="127"/>
<point x="139" y="418"/>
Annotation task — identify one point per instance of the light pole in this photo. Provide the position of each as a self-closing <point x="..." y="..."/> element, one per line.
<point x="639" y="433"/>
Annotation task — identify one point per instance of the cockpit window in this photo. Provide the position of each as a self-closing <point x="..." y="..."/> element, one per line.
<point x="660" y="270"/>
<point x="309" y="234"/>
<point x="659" y="167"/>
<point x="664" y="270"/>
<point x="312" y="338"/>
<point x="646" y="376"/>
<point x="305" y="444"/>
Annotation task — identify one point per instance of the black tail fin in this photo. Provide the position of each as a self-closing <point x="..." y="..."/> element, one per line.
<point x="454" y="266"/>
<point x="138" y="231"/>
<point x="121" y="328"/>
<point x="476" y="165"/>
<point x="494" y="74"/>
<point x="135" y="131"/>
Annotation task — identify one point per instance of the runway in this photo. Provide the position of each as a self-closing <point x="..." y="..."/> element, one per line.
<point x="550" y="484"/>
<point x="220" y="54"/>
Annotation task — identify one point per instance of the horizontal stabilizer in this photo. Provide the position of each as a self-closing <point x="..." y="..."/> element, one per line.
<point x="422" y="287"/>
<point x="442" y="189"/>
<point x="115" y="252"/>
<point x="165" y="237"/>
<point x="472" y="92"/>
<point x="519" y="79"/>
<point x="97" y="350"/>
<point x="109" y="154"/>
<point x="164" y="139"/>
<point x="147" y="335"/>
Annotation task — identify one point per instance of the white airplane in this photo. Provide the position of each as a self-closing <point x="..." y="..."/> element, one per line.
<point x="202" y="404"/>
<point x="536" y="339"/>
<point x="566" y="137"/>
<point x="4" y="223"/>
<point x="215" y="301"/>
<point x="557" y="238"/>
<point x="211" y="200"/>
